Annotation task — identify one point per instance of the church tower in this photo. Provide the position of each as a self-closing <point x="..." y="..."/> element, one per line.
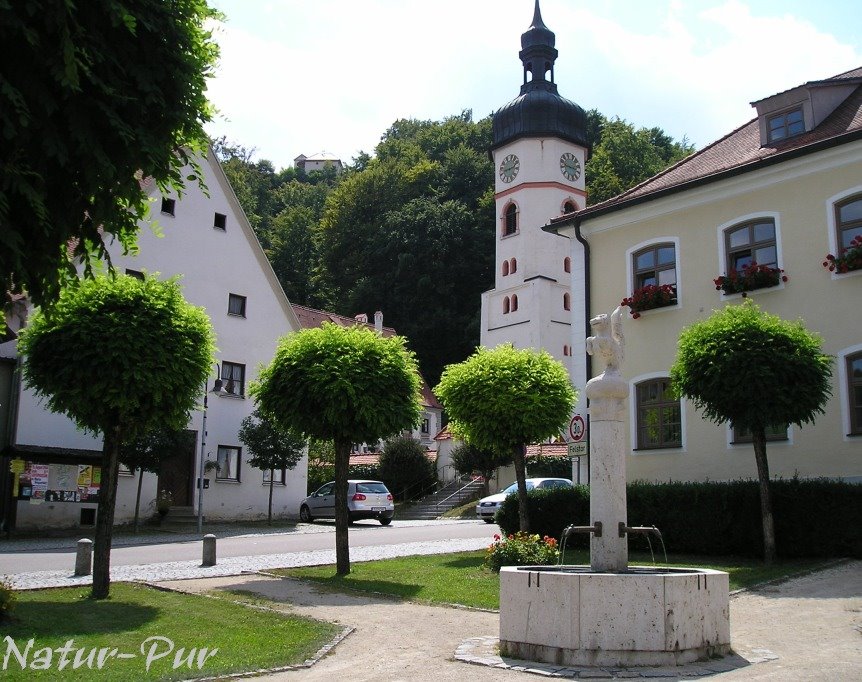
<point x="539" y="152"/>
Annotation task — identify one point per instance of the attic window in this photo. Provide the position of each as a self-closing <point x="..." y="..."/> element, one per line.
<point x="168" y="206"/>
<point x="220" y="221"/>
<point x="786" y="124"/>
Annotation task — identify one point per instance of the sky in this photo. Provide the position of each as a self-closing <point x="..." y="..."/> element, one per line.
<point x="308" y="76"/>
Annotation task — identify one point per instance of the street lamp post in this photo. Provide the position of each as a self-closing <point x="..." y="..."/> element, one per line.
<point x="217" y="389"/>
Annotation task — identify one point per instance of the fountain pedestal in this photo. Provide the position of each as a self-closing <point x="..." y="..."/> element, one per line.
<point x="575" y="616"/>
<point x="610" y="614"/>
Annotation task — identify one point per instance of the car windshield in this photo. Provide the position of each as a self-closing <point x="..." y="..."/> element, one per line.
<point x="371" y="487"/>
<point x="514" y="487"/>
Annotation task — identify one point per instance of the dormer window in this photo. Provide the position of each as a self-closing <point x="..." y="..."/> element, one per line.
<point x="784" y="125"/>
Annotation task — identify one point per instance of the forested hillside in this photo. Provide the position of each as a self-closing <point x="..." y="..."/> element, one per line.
<point x="410" y="231"/>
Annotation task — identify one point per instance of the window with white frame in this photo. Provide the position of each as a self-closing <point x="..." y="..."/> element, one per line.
<point x="278" y="476"/>
<point x="751" y="242"/>
<point x="510" y="220"/>
<point x="774" y="432"/>
<point x="848" y="222"/>
<point x="658" y="415"/>
<point x="228" y="463"/>
<point x="426" y="425"/>
<point x="784" y="125"/>
<point x="233" y="378"/>
<point x="854" y="392"/>
<point x="655" y="264"/>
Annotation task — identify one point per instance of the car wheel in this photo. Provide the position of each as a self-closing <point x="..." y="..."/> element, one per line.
<point x="385" y="522"/>
<point x="305" y="514"/>
<point x="488" y="520"/>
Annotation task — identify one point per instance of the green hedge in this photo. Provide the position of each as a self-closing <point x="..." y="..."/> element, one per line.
<point x="813" y="517"/>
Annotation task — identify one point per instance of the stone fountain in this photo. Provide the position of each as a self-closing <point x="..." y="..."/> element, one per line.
<point x="610" y="613"/>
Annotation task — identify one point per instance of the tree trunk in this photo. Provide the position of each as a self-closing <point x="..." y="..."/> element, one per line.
<point x="138" y="499"/>
<point x="105" y="514"/>
<point x="342" y="519"/>
<point x="269" y="512"/>
<point x="759" y="438"/>
<point x="519" y="460"/>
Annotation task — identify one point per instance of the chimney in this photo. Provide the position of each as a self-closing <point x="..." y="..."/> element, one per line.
<point x="378" y="321"/>
<point x="361" y="318"/>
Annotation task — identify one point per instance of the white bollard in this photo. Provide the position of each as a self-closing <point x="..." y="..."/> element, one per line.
<point x="209" y="558"/>
<point x="84" y="557"/>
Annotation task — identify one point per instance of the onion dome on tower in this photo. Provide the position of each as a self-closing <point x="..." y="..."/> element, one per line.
<point x="539" y="111"/>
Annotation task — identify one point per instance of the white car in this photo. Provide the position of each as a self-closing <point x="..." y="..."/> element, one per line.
<point x="488" y="506"/>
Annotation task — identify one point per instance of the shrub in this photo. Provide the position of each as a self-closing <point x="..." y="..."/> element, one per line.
<point x="521" y="549"/>
<point x="710" y="518"/>
<point x="7" y="600"/>
<point x="404" y="465"/>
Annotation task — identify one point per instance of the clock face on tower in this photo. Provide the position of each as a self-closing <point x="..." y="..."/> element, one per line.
<point x="570" y="167"/>
<point x="509" y="168"/>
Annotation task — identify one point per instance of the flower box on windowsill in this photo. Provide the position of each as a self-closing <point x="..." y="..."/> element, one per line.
<point x="848" y="261"/>
<point x="650" y="297"/>
<point x="750" y="278"/>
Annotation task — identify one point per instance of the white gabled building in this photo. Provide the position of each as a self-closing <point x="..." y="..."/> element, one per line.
<point x="205" y="239"/>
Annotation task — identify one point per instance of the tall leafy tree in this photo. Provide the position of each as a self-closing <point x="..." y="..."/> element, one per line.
<point x="146" y="452"/>
<point x="754" y="370"/>
<point x="272" y="448"/>
<point x="623" y="156"/>
<point x="503" y="399"/>
<point x="342" y="384"/>
<point x="141" y="354"/>
<point x="96" y="96"/>
<point x="467" y="459"/>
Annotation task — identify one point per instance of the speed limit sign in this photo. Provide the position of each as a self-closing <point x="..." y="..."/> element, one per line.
<point x="577" y="429"/>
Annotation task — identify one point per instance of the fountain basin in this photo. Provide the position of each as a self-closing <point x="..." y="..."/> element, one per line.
<point x="572" y="615"/>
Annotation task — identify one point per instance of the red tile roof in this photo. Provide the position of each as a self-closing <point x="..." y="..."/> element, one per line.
<point x="311" y="317"/>
<point x="740" y="152"/>
<point x="373" y="458"/>
<point x="548" y="450"/>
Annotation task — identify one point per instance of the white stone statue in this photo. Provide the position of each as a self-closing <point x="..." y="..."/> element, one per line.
<point x="608" y="342"/>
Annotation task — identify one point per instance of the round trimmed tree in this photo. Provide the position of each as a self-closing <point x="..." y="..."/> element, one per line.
<point x="503" y="399"/>
<point x="119" y="356"/>
<point x="754" y="370"/>
<point x="342" y="384"/>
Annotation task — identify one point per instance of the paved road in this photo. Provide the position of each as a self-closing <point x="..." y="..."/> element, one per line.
<point x="44" y="562"/>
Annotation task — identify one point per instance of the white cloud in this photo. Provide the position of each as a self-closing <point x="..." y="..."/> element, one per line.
<point x="333" y="75"/>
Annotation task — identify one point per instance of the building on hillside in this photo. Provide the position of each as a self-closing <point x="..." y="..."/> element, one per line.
<point x="783" y="190"/>
<point x="432" y="410"/>
<point x="318" y="162"/>
<point x="208" y="242"/>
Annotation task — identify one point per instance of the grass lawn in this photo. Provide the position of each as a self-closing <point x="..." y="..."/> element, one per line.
<point x="462" y="578"/>
<point x="246" y="639"/>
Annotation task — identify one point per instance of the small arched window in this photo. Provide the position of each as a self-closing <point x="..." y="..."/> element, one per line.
<point x="510" y="220"/>
<point x="567" y="301"/>
<point x="505" y="268"/>
<point x="567" y="264"/>
<point x="569" y="207"/>
<point x="567" y="351"/>
<point x="506" y="305"/>
<point x="514" y="302"/>
<point x="513" y="265"/>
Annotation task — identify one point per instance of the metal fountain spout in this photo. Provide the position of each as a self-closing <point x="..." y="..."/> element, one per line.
<point x="644" y="530"/>
<point x="596" y="530"/>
